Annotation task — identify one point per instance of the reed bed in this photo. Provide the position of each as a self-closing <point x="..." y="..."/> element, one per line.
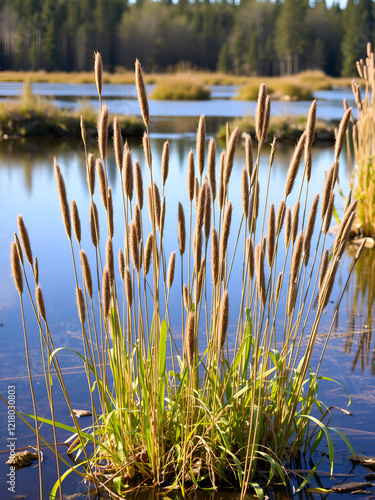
<point x="166" y="413"/>
<point x="360" y="147"/>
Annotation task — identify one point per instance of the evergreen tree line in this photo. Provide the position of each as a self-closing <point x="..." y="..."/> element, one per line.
<point x="248" y="37"/>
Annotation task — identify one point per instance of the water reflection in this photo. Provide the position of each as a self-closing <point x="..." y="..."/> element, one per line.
<point x="359" y="341"/>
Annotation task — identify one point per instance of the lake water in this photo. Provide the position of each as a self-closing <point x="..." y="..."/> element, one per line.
<point x="27" y="187"/>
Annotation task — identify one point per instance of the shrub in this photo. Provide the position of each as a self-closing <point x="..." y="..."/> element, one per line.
<point x="180" y="88"/>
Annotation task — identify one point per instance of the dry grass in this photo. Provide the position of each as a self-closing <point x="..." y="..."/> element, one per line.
<point x="361" y="166"/>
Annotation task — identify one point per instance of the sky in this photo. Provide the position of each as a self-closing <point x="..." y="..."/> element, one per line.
<point x="341" y="2"/>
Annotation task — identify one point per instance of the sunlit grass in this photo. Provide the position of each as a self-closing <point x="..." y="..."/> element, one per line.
<point x="217" y="415"/>
<point x="361" y="168"/>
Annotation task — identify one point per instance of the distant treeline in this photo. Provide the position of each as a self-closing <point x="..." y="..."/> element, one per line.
<point x="247" y="37"/>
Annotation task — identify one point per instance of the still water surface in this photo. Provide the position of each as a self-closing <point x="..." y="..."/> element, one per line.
<point x="27" y="187"/>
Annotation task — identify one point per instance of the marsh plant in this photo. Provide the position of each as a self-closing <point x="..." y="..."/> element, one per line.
<point x="165" y="412"/>
<point x="361" y="167"/>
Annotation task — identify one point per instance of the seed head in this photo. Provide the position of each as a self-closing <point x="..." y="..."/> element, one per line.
<point x="86" y="272"/>
<point x="118" y="143"/>
<point x="190" y="338"/>
<point x="212" y="167"/>
<point x="141" y="91"/>
<point x="181" y="232"/>
<point x="16" y="268"/>
<point x="165" y="162"/>
<point x="294" y="164"/>
<point x="24" y="235"/>
<point x="98" y="72"/>
<point x="201" y="142"/>
<point x="76" y="221"/>
<point x="223" y="320"/>
<point x="103" y="132"/>
<point x="138" y="183"/>
<point x="40" y="303"/>
<point x="90" y="174"/>
<point x="63" y="200"/>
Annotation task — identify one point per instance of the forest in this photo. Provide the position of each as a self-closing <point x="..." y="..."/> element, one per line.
<point x="249" y="37"/>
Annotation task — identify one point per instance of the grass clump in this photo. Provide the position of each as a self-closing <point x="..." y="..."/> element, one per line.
<point x="223" y="408"/>
<point x="284" y="128"/>
<point x="180" y="88"/>
<point x="361" y="165"/>
<point x="34" y="115"/>
<point x="283" y="90"/>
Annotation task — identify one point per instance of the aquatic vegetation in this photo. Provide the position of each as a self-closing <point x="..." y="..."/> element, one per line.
<point x="180" y="87"/>
<point x="228" y="396"/>
<point x="361" y="164"/>
<point x="35" y="115"/>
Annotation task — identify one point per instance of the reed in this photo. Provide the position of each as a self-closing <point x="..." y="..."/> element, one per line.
<point x="218" y="415"/>
<point x="360" y="148"/>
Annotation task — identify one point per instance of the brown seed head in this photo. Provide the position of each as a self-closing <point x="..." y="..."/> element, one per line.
<point x="94" y="224"/>
<point x="121" y="264"/>
<point x="191" y="175"/>
<point x="76" y="221"/>
<point x="128" y="287"/>
<point x="171" y="268"/>
<point x="296" y="259"/>
<point x="81" y="305"/>
<point x="271" y="234"/>
<point x="260" y="111"/>
<point x="63" y="200"/>
<point x="197" y="247"/>
<point x="90" y="174"/>
<point x="250" y="257"/>
<point x="102" y="182"/>
<point x="181" y="231"/>
<point x="249" y="154"/>
<point x="118" y="143"/>
<point x="138" y="223"/>
<point x="147" y="150"/>
<point x="83" y="130"/>
<point x="328" y="217"/>
<point x="328" y="282"/>
<point x="223" y="320"/>
<point x="103" y="132"/>
<point x="134" y="245"/>
<point x="207" y="211"/>
<point x="323" y="268"/>
<point x="196" y="193"/>
<point x="86" y="272"/>
<point x="221" y="180"/>
<point x="225" y="232"/>
<point x="201" y="142"/>
<point x="327" y="190"/>
<point x="165" y="162"/>
<point x="347" y="215"/>
<point x="310" y="131"/>
<point x="266" y="122"/>
<point x="342" y="132"/>
<point x="186" y="298"/>
<point x="214" y="257"/>
<point x="245" y="193"/>
<point x="260" y="275"/>
<point x="138" y="183"/>
<point x="98" y="72"/>
<point x="291" y="299"/>
<point x="294" y="164"/>
<point x="36" y="270"/>
<point x="157" y="207"/>
<point x="212" y="167"/>
<point x="141" y="91"/>
<point x="24" y="235"/>
<point x="295" y="221"/>
<point x="279" y="285"/>
<point x="106" y="293"/>
<point x="16" y="268"/>
<point x="229" y="157"/>
<point x="190" y="338"/>
<point x="280" y="216"/>
<point x="110" y="263"/>
<point x="148" y="254"/>
<point x="201" y="204"/>
<point x="128" y="173"/>
<point x="40" y="303"/>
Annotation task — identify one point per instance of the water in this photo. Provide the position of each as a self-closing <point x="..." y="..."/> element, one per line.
<point x="122" y="99"/>
<point x="27" y="187"/>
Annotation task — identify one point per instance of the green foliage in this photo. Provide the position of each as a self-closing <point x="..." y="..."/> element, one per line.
<point x="224" y="62"/>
